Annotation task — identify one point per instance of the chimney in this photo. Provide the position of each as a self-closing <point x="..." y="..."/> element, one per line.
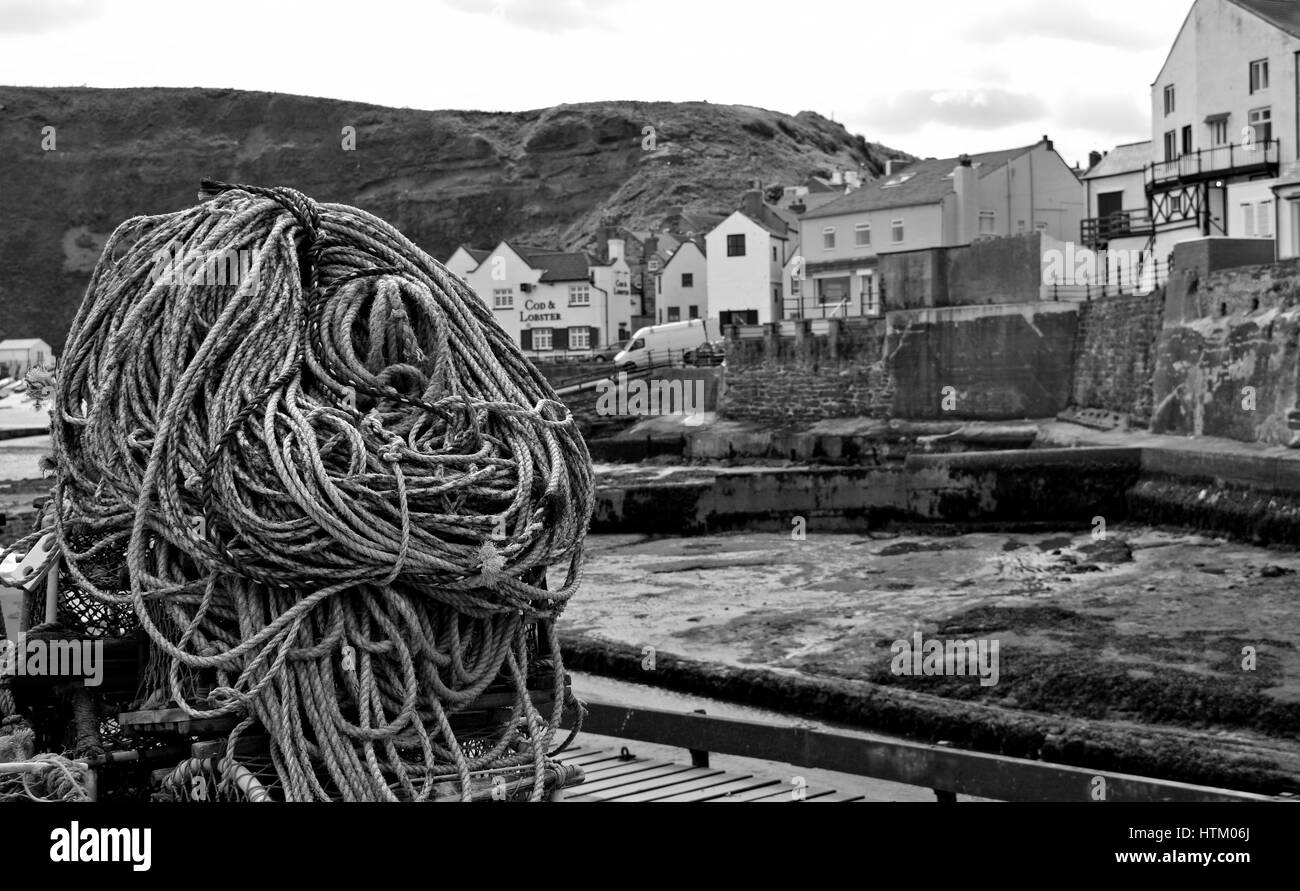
<point x="894" y="165"/>
<point x="1094" y="158"/>
<point x="751" y="202"/>
<point x="1047" y="143"/>
<point x="615" y="249"/>
<point x="966" y="188"/>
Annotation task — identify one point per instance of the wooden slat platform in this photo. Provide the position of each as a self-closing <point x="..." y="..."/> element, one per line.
<point x="622" y="776"/>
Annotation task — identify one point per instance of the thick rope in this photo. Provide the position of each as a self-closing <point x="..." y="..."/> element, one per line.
<point x="330" y="476"/>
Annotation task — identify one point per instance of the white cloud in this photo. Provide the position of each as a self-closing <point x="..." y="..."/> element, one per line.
<point x="45" y="16"/>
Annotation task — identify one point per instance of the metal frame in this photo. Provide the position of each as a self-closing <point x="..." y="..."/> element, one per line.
<point x="949" y="772"/>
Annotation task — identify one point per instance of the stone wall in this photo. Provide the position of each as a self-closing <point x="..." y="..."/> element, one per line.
<point x="962" y="363"/>
<point x="984" y="363"/>
<point x="1115" y="354"/>
<point x="790" y="380"/>
<point x="1226" y="359"/>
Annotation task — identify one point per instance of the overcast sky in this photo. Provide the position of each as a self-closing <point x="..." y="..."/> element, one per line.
<point x="932" y="77"/>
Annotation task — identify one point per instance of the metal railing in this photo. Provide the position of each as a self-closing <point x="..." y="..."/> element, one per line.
<point x="1120" y="224"/>
<point x="1222" y="160"/>
<point x="947" y="771"/>
<point x="1144" y="278"/>
<point x="808" y="306"/>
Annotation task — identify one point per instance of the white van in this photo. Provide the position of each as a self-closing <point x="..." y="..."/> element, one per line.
<point x="660" y="344"/>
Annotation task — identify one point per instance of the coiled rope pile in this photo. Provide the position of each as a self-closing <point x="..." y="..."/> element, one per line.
<point x="336" y="482"/>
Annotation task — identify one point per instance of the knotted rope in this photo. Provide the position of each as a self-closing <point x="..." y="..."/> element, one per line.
<point x="336" y="482"/>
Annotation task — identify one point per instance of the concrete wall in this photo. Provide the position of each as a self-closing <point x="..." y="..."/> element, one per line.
<point x="1114" y="354"/>
<point x="1225" y="332"/>
<point x="1206" y="255"/>
<point x="1000" y="270"/>
<point x="1001" y="362"/>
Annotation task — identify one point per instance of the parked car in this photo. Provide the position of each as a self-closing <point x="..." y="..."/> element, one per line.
<point x="706" y="354"/>
<point x="607" y="353"/>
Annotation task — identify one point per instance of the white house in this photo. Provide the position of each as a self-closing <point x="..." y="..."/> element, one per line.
<point x="682" y="285"/>
<point x="929" y="204"/>
<point x="1224" y="126"/>
<point x="552" y="303"/>
<point x="1118" y="220"/>
<point x="465" y="260"/>
<point x="17" y="356"/>
<point x="746" y="253"/>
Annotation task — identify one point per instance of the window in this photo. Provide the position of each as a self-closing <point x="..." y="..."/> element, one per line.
<point x="541" y="338"/>
<point x="653" y="264"/>
<point x="862" y="235"/>
<point x="1219" y="132"/>
<point x="692" y="312"/>
<point x="579" y="338"/>
<point x="1187" y="140"/>
<point x="688" y="279"/>
<point x="579" y="295"/>
<point x="1169" y="100"/>
<point x="674" y="313"/>
<point x="1171" y="145"/>
<point x="1175" y="204"/>
<point x="503" y="298"/>
<point x="833" y="290"/>
<point x="1264" y="219"/>
<point x="1261" y="123"/>
<point x="988" y="222"/>
<point x="735" y="245"/>
<point x="1259" y="75"/>
<point x="774" y="256"/>
<point x="896" y="227"/>
<point x="828" y="239"/>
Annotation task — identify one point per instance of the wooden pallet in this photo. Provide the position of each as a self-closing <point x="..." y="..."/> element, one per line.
<point x="621" y="776"/>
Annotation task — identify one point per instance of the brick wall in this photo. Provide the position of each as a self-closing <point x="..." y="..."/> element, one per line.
<point x="1115" y="354"/>
<point x="807" y="378"/>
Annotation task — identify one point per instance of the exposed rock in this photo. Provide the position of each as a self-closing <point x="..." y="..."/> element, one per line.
<point x="442" y="177"/>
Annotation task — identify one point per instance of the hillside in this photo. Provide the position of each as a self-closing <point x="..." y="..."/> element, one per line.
<point x="442" y="177"/>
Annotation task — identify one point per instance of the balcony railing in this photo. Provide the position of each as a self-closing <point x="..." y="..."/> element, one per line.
<point x="1223" y="160"/>
<point x="1120" y="224"/>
